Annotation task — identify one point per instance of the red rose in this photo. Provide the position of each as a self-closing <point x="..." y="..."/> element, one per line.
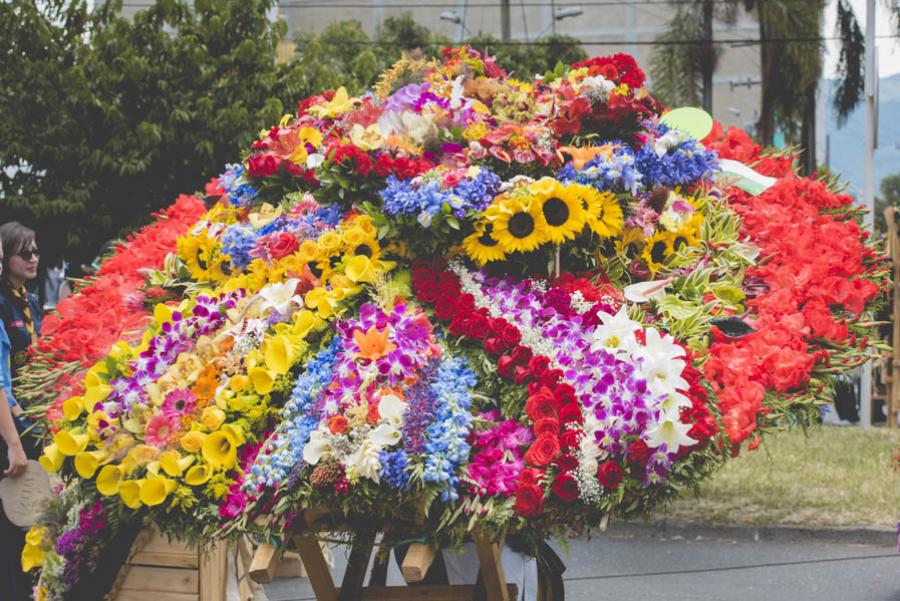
<point x="511" y="334"/>
<point x="506" y="367"/>
<point x="531" y="475"/>
<point x="543" y="450"/>
<point x="521" y="355"/>
<point x="465" y="302"/>
<point x="639" y="453"/>
<point x="529" y="500"/>
<point x="564" y="393"/>
<point x="538" y="365"/>
<point x="551" y="377"/>
<point x="569" y="439"/>
<point x="566" y="462"/>
<point x="540" y="404"/>
<point x="428" y="291"/>
<point x="262" y="165"/>
<point x="281" y="245"/>
<point x="495" y="345"/>
<point x="546" y="425"/>
<point x="609" y="474"/>
<point x="445" y="309"/>
<point x="477" y="326"/>
<point x="570" y="413"/>
<point x="566" y="487"/>
<point x="522" y="375"/>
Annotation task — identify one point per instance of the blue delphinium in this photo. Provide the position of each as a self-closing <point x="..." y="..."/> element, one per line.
<point x="393" y="468"/>
<point x="675" y="159"/>
<point x="446" y="447"/>
<point x="424" y="197"/>
<point x="299" y="418"/>
<point x="477" y="192"/>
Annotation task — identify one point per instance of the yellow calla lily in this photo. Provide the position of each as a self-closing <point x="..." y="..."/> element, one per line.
<point x="281" y="353"/>
<point x="154" y="490"/>
<point x="262" y="379"/>
<point x="73" y="407"/>
<point x="108" y="480"/>
<point x="341" y="103"/>
<point x="162" y="313"/>
<point x="198" y="474"/>
<point x="304" y="322"/>
<point x="86" y="464"/>
<point x="33" y="553"/>
<point x="220" y="450"/>
<point x="322" y="301"/>
<point x="52" y="459"/>
<point x="130" y="492"/>
<point x="174" y="464"/>
<point x="361" y="268"/>
<point x="70" y="443"/>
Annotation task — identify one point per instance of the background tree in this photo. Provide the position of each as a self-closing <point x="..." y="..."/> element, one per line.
<point x="889" y="197"/>
<point x="103" y="120"/>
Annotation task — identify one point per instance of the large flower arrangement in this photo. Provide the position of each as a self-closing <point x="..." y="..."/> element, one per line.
<point x="466" y="302"/>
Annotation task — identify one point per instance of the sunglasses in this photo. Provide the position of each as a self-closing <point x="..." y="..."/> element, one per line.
<point x="29" y="254"/>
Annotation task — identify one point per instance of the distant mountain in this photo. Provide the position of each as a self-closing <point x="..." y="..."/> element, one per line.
<point x="847" y="143"/>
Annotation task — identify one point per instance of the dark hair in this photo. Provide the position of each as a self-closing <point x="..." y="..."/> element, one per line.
<point x="15" y="238"/>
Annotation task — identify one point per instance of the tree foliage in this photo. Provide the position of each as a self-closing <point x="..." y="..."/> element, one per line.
<point x="105" y="119"/>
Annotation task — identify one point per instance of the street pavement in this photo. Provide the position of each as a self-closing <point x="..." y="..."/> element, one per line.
<point x="642" y="564"/>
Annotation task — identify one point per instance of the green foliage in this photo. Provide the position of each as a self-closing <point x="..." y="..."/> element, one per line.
<point x="524" y="61"/>
<point x="108" y="119"/>
<point x="890" y="197"/>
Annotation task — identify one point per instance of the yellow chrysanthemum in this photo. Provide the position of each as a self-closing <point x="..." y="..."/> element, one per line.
<point x="561" y="209"/>
<point x="603" y="212"/>
<point x="517" y="223"/>
<point x="657" y="250"/>
<point x="481" y="246"/>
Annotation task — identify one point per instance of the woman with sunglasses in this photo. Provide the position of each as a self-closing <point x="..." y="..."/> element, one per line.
<point x="18" y="328"/>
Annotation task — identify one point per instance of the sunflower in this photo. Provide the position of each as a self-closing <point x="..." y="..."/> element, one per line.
<point x="604" y="213"/>
<point x="518" y="223"/>
<point x="201" y="257"/>
<point x="686" y="235"/>
<point x="481" y="246"/>
<point x="657" y="250"/>
<point x="368" y="247"/>
<point x="561" y="210"/>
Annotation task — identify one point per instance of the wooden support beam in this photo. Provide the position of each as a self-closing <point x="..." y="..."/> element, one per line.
<point x="893" y="402"/>
<point x="489" y="557"/>
<point x="265" y="563"/>
<point x="455" y="592"/>
<point x="214" y="572"/>
<point x="357" y="565"/>
<point x="417" y="562"/>
<point x="291" y="566"/>
<point x="316" y="567"/>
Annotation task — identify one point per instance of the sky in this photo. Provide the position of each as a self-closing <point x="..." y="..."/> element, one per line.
<point x="888" y="49"/>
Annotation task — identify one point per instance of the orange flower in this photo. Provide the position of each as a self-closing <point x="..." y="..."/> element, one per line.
<point x="206" y="385"/>
<point x="337" y="424"/>
<point x="580" y="156"/>
<point x="373" y="344"/>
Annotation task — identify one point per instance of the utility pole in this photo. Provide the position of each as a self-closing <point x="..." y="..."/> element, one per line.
<point x="504" y="20"/>
<point x="709" y="58"/>
<point x="871" y="82"/>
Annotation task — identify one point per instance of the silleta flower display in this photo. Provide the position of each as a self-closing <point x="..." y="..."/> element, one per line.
<point x="459" y="302"/>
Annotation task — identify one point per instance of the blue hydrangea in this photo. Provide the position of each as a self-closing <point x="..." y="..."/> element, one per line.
<point x="239" y="192"/>
<point x="675" y="159"/>
<point x="478" y="192"/>
<point x="237" y="242"/>
<point x="617" y="172"/>
<point x="424" y="198"/>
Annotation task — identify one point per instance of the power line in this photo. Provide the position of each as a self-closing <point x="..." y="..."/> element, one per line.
<point x="301" y="4"/>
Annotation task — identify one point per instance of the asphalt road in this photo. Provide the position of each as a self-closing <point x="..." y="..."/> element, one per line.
<point x="647" y="566"/>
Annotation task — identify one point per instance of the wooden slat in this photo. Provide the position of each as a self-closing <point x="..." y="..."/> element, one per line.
<point x="417" y="562"/>
<point x="167" y="580"/>
<point x="265" y="563"/>
<point x="357" y="565"/>
<point x="893" y="401"/>
<point x="127" y="595"/>
<point x="491" y="569"/>
<point x="167" y="560"/>
<point x="157" y="543"/>
<point x="213" y="573"/>
<point x="316" y="567"/>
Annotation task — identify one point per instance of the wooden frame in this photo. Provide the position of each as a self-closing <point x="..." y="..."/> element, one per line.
<point x="414" y="568"/>
<point x="891" y="367"/>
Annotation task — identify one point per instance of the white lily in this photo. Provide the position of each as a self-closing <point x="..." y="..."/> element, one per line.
<point x="281" y="296"/>
<point x="616" y="332"/>
<point x="671" y="433"/>
<point x="674" y="402"/>
<point x="391" y="409"/>
<point x="364" y="461"/>
<point x="662" y="364"/>
<point x="318" y="446"/>
<point x="384" y="435"/>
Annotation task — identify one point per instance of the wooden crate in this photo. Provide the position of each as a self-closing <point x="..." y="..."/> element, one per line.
<point x="159" y="570"/>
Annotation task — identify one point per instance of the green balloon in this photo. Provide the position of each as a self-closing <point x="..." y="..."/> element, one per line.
<point x="692" y="120"/>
